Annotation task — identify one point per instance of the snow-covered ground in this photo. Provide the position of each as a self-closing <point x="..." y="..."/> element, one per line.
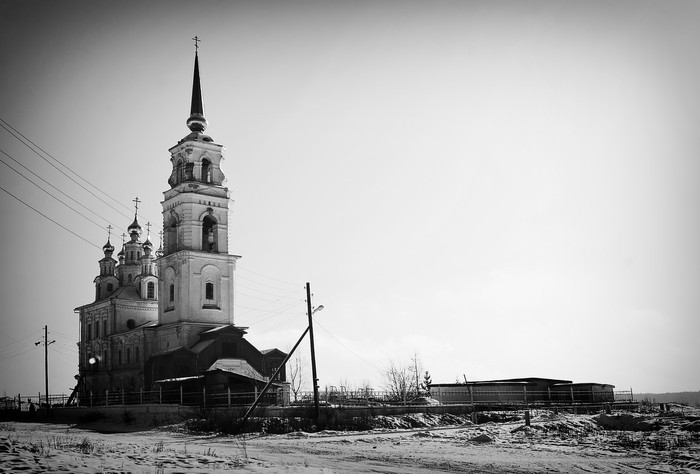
<point x="621" y="442"/>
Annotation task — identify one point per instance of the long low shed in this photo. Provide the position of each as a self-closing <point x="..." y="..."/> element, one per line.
<point x="525" y="390"/>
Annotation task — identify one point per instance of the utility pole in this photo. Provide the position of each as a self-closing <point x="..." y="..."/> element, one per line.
<point x="313" y="351"/>
<point x="46" y="367"/>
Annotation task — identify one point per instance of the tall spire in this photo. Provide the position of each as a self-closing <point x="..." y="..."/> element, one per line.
<point x="196" y="122"/>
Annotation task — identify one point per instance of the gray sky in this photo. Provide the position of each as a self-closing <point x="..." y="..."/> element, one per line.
<point x="506" y="189"/>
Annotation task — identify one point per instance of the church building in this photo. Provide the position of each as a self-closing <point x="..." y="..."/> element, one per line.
<point x="161" y="318"/>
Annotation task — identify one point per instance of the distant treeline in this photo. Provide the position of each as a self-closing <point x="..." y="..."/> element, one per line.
<point x="686" y="398"/>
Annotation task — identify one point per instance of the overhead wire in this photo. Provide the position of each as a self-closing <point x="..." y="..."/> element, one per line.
<point x="345" y="346"/>
<point x="54" y="187"/>
<point x="47" y="192"/>
<point x="14" y="132"/>
<point x="55" y="222"/>
<point x="17" y="134"/>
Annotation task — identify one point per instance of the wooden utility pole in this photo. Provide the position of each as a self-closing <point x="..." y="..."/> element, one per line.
<point x="46" y="367"/>
<point x="313" y="351"/>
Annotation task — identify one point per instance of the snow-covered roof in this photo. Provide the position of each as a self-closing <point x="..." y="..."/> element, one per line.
<point x="238" y="367"/>
<point x="180" y="379"/>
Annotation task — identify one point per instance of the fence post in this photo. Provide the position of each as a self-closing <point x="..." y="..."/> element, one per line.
<point x="525" y="394"/>
<point x="160" y="394"/>
<point x="141" y="396"/>
<point x="123" y="396"/>
<point x="90" y="398"/>
<point x="571" y="389"/>
<point x="181" y="398"/>
<point x="106" y="398"/>
<point x="204" y="397"/>
<point x="228" y="390"/>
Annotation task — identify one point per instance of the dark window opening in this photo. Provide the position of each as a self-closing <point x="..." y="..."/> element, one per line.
<point x="131" y="324"/>
<point x="180" y="169"/>
<point x="209" y="291"/>
<point x="206" y="171"/>
<point x="88" y="336"/>
<point x="150" y="290"/>
<point x="172" y="293"/>
<point x="171" y="236"/>
<point x="209" y="234"/>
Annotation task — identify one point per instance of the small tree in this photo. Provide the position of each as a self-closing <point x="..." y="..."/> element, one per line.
<point x="425" y="385"/>
<point x="296" y="375"/>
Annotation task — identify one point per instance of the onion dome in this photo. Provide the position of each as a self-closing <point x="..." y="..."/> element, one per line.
<point x="108" y="249"/>
<point x="134" y="230"/>
<point x="147" y="247"/>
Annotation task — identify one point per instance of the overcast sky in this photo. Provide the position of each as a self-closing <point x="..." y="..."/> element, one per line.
<point x="506" y="189"/>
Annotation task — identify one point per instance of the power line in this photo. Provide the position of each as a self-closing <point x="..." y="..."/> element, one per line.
<point x="47" y="217"/>
<point x="54" y="187"/>
<point x="10" y="130"/>
<point x="342" y="344"/>
<point x="295" y="285"/>
<point x="14" y="132"/>
<point x="57" y="199"/>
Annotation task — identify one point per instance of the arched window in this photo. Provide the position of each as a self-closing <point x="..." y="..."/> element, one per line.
<point x="172" y="293"/>
<point x="97" y="291"/>
<point x="128" y="355"/>
<point x="206" y="171"/>
<point x="110" y="287"/>
<point x="136" y="354"/>
<point x="97" y="329"/>
<point x="209" y="291"/>
<point x="119" y="357"/>
<point x="150" y="290"/>
<point x="180" y="169"/>
<point x="128" y="278"/>
<point x="171" y="236"/>
<point x="209" y="234"/>
<point x="88" y="336"/>
<point x="189" y="171"/>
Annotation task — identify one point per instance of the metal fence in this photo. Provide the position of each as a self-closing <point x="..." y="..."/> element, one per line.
<point x="327" y="397"/>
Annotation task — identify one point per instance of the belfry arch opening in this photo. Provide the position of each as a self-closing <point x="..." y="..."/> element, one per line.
<point x="170" y="236"/>
<point x="206" y="171"/>
<point x="209" y="239"/>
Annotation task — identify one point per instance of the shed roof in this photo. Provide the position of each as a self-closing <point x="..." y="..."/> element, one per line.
<point x="237" y="366"/>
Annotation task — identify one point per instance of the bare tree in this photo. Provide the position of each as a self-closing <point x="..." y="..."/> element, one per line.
<point x="296" y="368"/>
<point x="399" y="381"/>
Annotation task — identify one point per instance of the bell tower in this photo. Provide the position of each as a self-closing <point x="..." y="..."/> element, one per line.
<point x="196" y="271"/>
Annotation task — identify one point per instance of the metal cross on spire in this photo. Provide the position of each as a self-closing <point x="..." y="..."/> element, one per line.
<point x="123" y="239"/>
<point x="148" y="227"/>
<point x="109" y="232"/>
<point x="196" y="43"/>
<point x="137" y="201"/>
